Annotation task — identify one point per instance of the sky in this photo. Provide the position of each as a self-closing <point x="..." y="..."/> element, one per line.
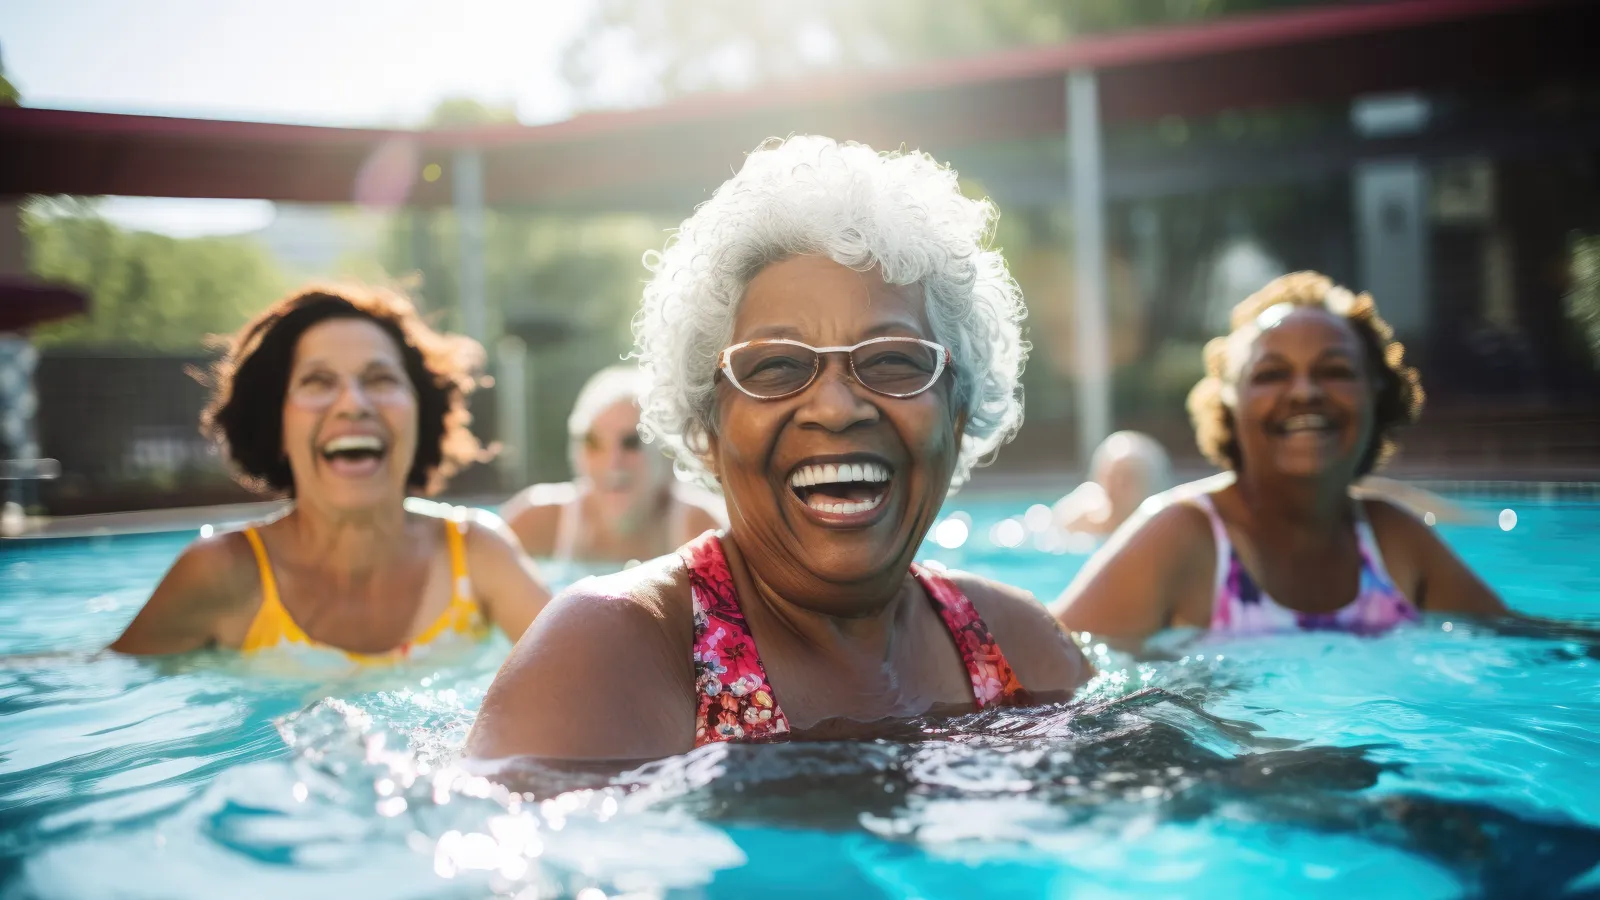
<point x="320" y="62"/>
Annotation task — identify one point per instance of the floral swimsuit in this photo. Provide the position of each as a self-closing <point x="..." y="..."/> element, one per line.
<point x="736" y="702"/>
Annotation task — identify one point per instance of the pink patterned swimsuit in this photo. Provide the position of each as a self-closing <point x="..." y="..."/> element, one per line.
<point x="1240" y="607"/>
<point x="736" y="702"/>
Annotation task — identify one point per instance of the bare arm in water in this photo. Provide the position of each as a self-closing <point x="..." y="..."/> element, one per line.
<point x="505" y="580"/>
<point x="1447" y="585"/>
<point x="1436" y="578"/>
<point x="206" y="598"/>
<point x="1420" y="501"/>
<point x="1149" y="575"/>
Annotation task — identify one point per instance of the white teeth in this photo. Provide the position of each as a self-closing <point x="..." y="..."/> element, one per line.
<point x="1307" y="422"/>
<point x="353" y="443"/>
<point x="810" y="476"/>
<point x="844" y="509"/>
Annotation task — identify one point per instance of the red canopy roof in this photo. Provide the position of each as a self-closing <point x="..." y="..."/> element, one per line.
<point x="24" y="304"/>
<point x="675" y="153"/>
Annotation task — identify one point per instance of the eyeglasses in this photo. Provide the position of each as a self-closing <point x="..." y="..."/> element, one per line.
<point x="892" y="366"/>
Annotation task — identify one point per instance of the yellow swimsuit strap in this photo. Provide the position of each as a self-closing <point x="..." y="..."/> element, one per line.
<point x="273" y="625"/>
<point x="462" y="615"/>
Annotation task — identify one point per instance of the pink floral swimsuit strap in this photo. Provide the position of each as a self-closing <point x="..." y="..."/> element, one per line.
<point x="736" y="701"/>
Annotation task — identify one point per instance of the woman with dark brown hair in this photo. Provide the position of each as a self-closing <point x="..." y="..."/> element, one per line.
<point x="343" y="400"/>
<point x="1300" y="401"/>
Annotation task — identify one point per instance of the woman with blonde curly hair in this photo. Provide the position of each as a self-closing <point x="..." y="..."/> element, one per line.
<point x="1301" y="400"/>
<point x="343" y="401"/>
<point x="830" y="339"/>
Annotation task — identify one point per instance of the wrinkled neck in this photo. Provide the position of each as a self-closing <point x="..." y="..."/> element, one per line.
<point x="839" y="621"/>
<point x="344" y="541"/>
<point x="1319" y="503"/>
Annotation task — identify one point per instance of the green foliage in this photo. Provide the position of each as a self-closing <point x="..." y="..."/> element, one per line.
<point x="1583" y="302"/>
<point x="581" y="272"/>
<point x="575" y="280"/>
<point x="458" y="112"/>
<point x="146" y="291"/>
<point x="676" y="47"/>
<point x="9" y="96"/>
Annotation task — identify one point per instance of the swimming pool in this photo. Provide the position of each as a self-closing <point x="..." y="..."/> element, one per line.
<point x="1439" y="761"/>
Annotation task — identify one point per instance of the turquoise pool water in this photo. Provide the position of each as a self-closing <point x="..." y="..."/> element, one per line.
<point x="1444" y="760"/>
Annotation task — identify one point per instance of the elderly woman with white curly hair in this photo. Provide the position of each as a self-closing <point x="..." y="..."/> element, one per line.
<point x="829" y="339"/>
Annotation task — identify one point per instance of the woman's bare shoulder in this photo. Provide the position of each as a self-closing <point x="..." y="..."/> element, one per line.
<point x="208" y="596"/>
<point x="654" y="591"/>
<point x="604" y="672"/>
<point x="534" y="514"/>
<point x="538" y="498"/>
<point x="1401" y="534"/>
<point x="1187" y="493"/>
<point x="1045" y="659"/>
<point x="222" y="559"/>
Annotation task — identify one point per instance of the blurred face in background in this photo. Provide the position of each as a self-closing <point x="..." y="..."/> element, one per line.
<point x="1306" y="403"/>
<point x="612" y="459"/>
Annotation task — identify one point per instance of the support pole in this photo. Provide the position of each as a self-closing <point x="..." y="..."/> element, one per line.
<point x="468" y="184"/>
<point x="511" y="396"/>
<point x="1086" y="180"/>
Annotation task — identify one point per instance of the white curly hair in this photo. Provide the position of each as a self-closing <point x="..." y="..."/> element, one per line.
<point x="901" y="213"/>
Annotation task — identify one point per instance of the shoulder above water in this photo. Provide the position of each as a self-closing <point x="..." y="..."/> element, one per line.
<point x="1044" y="658"/>
<point x="551" y="494"/>
<point x="653" y="588"/>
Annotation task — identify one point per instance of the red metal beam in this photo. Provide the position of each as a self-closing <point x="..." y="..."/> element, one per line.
<point x="677" y="152"/>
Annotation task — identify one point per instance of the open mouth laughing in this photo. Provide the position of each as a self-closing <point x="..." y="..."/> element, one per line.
<point x="354" y="455"/>
<point x="1305" y="423"/>
<point x="844" y="491"/>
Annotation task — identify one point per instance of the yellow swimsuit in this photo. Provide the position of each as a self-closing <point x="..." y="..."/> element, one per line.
<point x="273" y="627"/>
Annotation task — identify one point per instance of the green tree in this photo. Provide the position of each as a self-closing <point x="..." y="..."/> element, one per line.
<point x="9" y="96"/>
<point x="456" y="112"/>
<point x="569" y="281"/>
<point x="675" y="47"/>
<point x="1583" y="301"/>
<point x="146" y="291"/>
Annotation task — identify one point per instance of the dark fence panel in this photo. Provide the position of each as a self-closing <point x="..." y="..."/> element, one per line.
<point x="126" y="431"/>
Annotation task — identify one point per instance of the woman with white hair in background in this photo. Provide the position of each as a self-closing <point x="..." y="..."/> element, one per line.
<point x="830" y="340"/>
<point x="624" y="505"/>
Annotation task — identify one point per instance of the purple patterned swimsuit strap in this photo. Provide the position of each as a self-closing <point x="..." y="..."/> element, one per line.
<point x="735" y="699"/>
<point x="1240" y="606"/>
